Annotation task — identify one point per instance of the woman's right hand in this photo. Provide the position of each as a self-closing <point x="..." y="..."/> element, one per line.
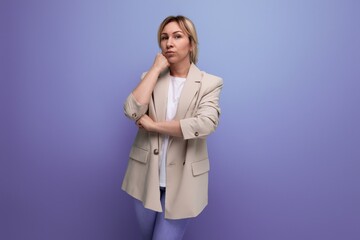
<point x="160" y="63"/>
<point x="143" y="91"/>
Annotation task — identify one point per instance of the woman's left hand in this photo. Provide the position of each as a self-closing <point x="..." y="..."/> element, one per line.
<point x="146" y="122"/>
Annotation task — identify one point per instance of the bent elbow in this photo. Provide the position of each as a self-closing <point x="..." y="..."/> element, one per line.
<point x="133" y="109"/>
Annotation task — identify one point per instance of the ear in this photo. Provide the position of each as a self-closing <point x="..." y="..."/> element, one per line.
<point x="191" y="47"/>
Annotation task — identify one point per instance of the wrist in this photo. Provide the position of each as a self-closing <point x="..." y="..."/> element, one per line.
<point x="155" y="127"/>
<point x="156" y="70"/>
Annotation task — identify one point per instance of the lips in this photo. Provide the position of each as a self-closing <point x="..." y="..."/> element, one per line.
<point x="170" y="52"/>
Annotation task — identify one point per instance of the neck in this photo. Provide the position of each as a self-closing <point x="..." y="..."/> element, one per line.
<point x="180" y="69"/>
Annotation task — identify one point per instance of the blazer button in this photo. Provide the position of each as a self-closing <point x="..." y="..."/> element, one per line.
<point x="156" y="151"/>
<point x="196" y="134"/>
<point x="134" y="115"/>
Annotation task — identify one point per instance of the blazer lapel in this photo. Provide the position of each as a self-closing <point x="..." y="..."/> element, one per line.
<point x="191" y="87"/>
<point x="161" y="95"/>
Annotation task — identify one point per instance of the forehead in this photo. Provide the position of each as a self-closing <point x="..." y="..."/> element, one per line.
<point x="171" y="27"/>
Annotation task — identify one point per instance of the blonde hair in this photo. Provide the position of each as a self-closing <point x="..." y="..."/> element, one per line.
<point x="188" y="27"/>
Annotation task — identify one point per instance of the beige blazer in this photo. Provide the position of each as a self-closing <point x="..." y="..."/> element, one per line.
<point x="187" y="163"/>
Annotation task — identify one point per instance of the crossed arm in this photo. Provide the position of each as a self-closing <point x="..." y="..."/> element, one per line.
<point x="203" y="122"/>
<point x="142" y="95"/>
<point x="171" y="128"/>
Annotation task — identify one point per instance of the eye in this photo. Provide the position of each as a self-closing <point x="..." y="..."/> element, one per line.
<point x="178" y="36"/>
<point x="164" y="37"/>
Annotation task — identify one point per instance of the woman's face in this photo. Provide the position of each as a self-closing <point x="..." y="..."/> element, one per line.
<point x="175" y="44"/>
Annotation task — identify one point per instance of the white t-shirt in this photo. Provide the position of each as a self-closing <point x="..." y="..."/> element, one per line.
<point x="175" y="87"/>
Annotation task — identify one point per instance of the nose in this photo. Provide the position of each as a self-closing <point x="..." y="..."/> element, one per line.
<point x="169" y="43"/>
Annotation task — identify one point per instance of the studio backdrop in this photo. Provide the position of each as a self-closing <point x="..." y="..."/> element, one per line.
<point x="284" y="160"/>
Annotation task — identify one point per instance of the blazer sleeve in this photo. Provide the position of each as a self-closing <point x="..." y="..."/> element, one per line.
<point x="206" y="117"/>
<point x="132" y="108"/>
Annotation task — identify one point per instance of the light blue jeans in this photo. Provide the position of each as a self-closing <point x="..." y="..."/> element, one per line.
<point x="154" y="226"/>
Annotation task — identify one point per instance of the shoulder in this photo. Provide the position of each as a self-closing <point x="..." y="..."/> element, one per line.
<point x="211" y="80"/>
<point x="143" y="74"/>
<point x="162" y="74"/>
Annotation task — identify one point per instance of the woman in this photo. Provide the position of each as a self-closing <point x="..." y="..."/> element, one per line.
<point x="175" y="106"/>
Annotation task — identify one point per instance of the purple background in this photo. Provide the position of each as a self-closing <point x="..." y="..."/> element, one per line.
<point x="284" y="160"/>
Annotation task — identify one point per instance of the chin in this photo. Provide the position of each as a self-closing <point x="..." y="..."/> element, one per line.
<point x="172" y="61"/>
<point x="175" y="60"/>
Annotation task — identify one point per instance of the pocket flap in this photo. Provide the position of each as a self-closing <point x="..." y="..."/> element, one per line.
<point x="200" y="167"/>
<point x="139" y="154"/>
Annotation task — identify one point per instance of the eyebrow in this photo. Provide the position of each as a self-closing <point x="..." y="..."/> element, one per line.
<point x="173" y="32"/>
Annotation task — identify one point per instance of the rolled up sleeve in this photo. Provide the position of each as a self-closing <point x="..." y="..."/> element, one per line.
<point x="206" y="118"/>
<point x="133" y="109"/>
